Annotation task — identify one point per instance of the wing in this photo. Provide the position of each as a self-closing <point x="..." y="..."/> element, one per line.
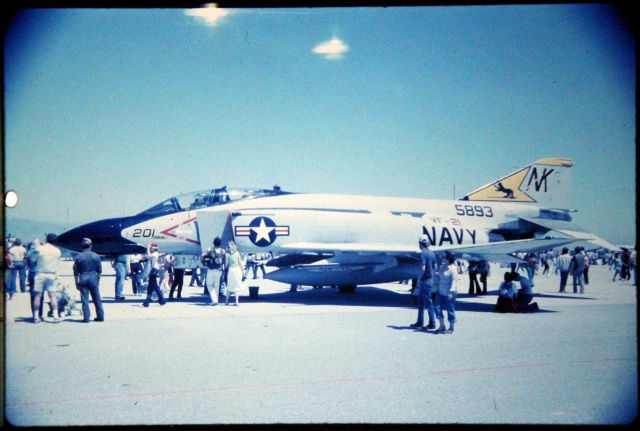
<point x="493" y="251"/>
<point x="363" y="263"/>
<point x="503" y="251"/>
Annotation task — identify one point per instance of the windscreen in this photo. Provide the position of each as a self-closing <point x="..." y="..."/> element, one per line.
<point x="208" y="198"/>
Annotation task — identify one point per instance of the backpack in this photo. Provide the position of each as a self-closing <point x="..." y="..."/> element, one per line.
<point x="213" y="260"/>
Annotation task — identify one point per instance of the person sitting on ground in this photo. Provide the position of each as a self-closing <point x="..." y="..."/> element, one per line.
<point x="506" y="295"/>
<point x="66" y="301"/>
<point x="524" y="295"/>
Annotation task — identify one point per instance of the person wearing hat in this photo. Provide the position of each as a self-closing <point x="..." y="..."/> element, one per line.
<point x="425" y="282"/>
<point x="152" y="271"/>
<point x="87" y="268"/>
<point x="46" y="270"/>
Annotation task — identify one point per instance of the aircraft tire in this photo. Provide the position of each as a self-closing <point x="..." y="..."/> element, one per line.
<point x="351" y="288"/>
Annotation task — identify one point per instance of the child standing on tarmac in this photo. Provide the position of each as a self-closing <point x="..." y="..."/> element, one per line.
<point x="447" y="293"/>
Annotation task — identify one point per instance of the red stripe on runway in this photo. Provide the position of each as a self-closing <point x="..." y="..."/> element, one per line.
<point x="310" y="383"/>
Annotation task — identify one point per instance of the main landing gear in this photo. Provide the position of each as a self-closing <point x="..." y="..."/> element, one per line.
<point x="351" y="288"/>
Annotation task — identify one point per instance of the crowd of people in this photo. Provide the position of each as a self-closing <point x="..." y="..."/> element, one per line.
<point x="223" y="271"/>
<point x="439" y="280"/>
<point x="576" y="263"/>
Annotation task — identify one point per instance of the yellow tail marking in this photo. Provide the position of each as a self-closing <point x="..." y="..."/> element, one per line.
<point x="504" y="190"/>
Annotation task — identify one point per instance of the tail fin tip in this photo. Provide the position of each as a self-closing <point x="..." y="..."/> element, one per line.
<point x="545" y="182"/>
<point x="567" y="163"/>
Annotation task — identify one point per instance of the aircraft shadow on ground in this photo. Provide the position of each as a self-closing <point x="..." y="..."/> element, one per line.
<point x="364" y="296"/>
<point x="367" y="296"/>
<point x="566" y="296"/>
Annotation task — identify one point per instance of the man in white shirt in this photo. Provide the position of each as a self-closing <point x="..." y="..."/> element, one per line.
<point x="18" y="254"/>
<point x="524" y="295"/>
<point x="46" y="271"/>
<point x="564" y="266"/>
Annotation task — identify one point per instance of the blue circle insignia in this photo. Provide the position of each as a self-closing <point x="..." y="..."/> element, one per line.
<point x="263" y="231"/>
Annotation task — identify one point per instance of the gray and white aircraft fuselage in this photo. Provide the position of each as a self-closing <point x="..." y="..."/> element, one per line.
<point x="346" y="240"/>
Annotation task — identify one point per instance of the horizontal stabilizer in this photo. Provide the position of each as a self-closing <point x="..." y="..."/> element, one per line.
<point x="574" y="231"/>
<point x="508" y="247"/>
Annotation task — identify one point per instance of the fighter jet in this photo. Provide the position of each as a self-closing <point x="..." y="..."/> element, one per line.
<point x="348" y="240"/>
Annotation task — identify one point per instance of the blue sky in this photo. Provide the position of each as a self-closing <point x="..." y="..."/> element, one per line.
<point x="108" y="111"/>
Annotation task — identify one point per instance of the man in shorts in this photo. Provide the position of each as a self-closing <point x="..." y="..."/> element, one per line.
<point x="46" y="270"/>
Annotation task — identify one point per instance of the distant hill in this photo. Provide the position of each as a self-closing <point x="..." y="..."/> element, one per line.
<point x="27" y="230"/>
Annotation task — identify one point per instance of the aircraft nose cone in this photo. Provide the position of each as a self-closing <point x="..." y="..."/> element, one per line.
<point x="69" y="240"/>
<point x="105" y="235"/>
<point x="72" y="239"/>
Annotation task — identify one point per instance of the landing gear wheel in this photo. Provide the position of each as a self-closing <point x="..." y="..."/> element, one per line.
<point x="347" y="289"/>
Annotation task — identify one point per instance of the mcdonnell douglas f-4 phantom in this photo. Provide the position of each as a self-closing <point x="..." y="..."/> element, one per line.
<point x="346" y="240"/>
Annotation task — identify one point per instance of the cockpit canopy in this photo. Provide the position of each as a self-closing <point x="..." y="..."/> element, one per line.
<point x="208" y="198"/>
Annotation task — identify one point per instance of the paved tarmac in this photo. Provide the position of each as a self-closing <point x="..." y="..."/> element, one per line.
<point x="317" y="356"/>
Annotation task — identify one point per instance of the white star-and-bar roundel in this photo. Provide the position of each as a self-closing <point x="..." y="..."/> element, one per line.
<point x="262" y="231"/>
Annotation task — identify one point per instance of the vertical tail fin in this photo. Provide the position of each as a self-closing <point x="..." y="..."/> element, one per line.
<point x="546" y="182"/>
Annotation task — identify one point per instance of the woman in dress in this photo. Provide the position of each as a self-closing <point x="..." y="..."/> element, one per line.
<point x="235" y="271"/>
